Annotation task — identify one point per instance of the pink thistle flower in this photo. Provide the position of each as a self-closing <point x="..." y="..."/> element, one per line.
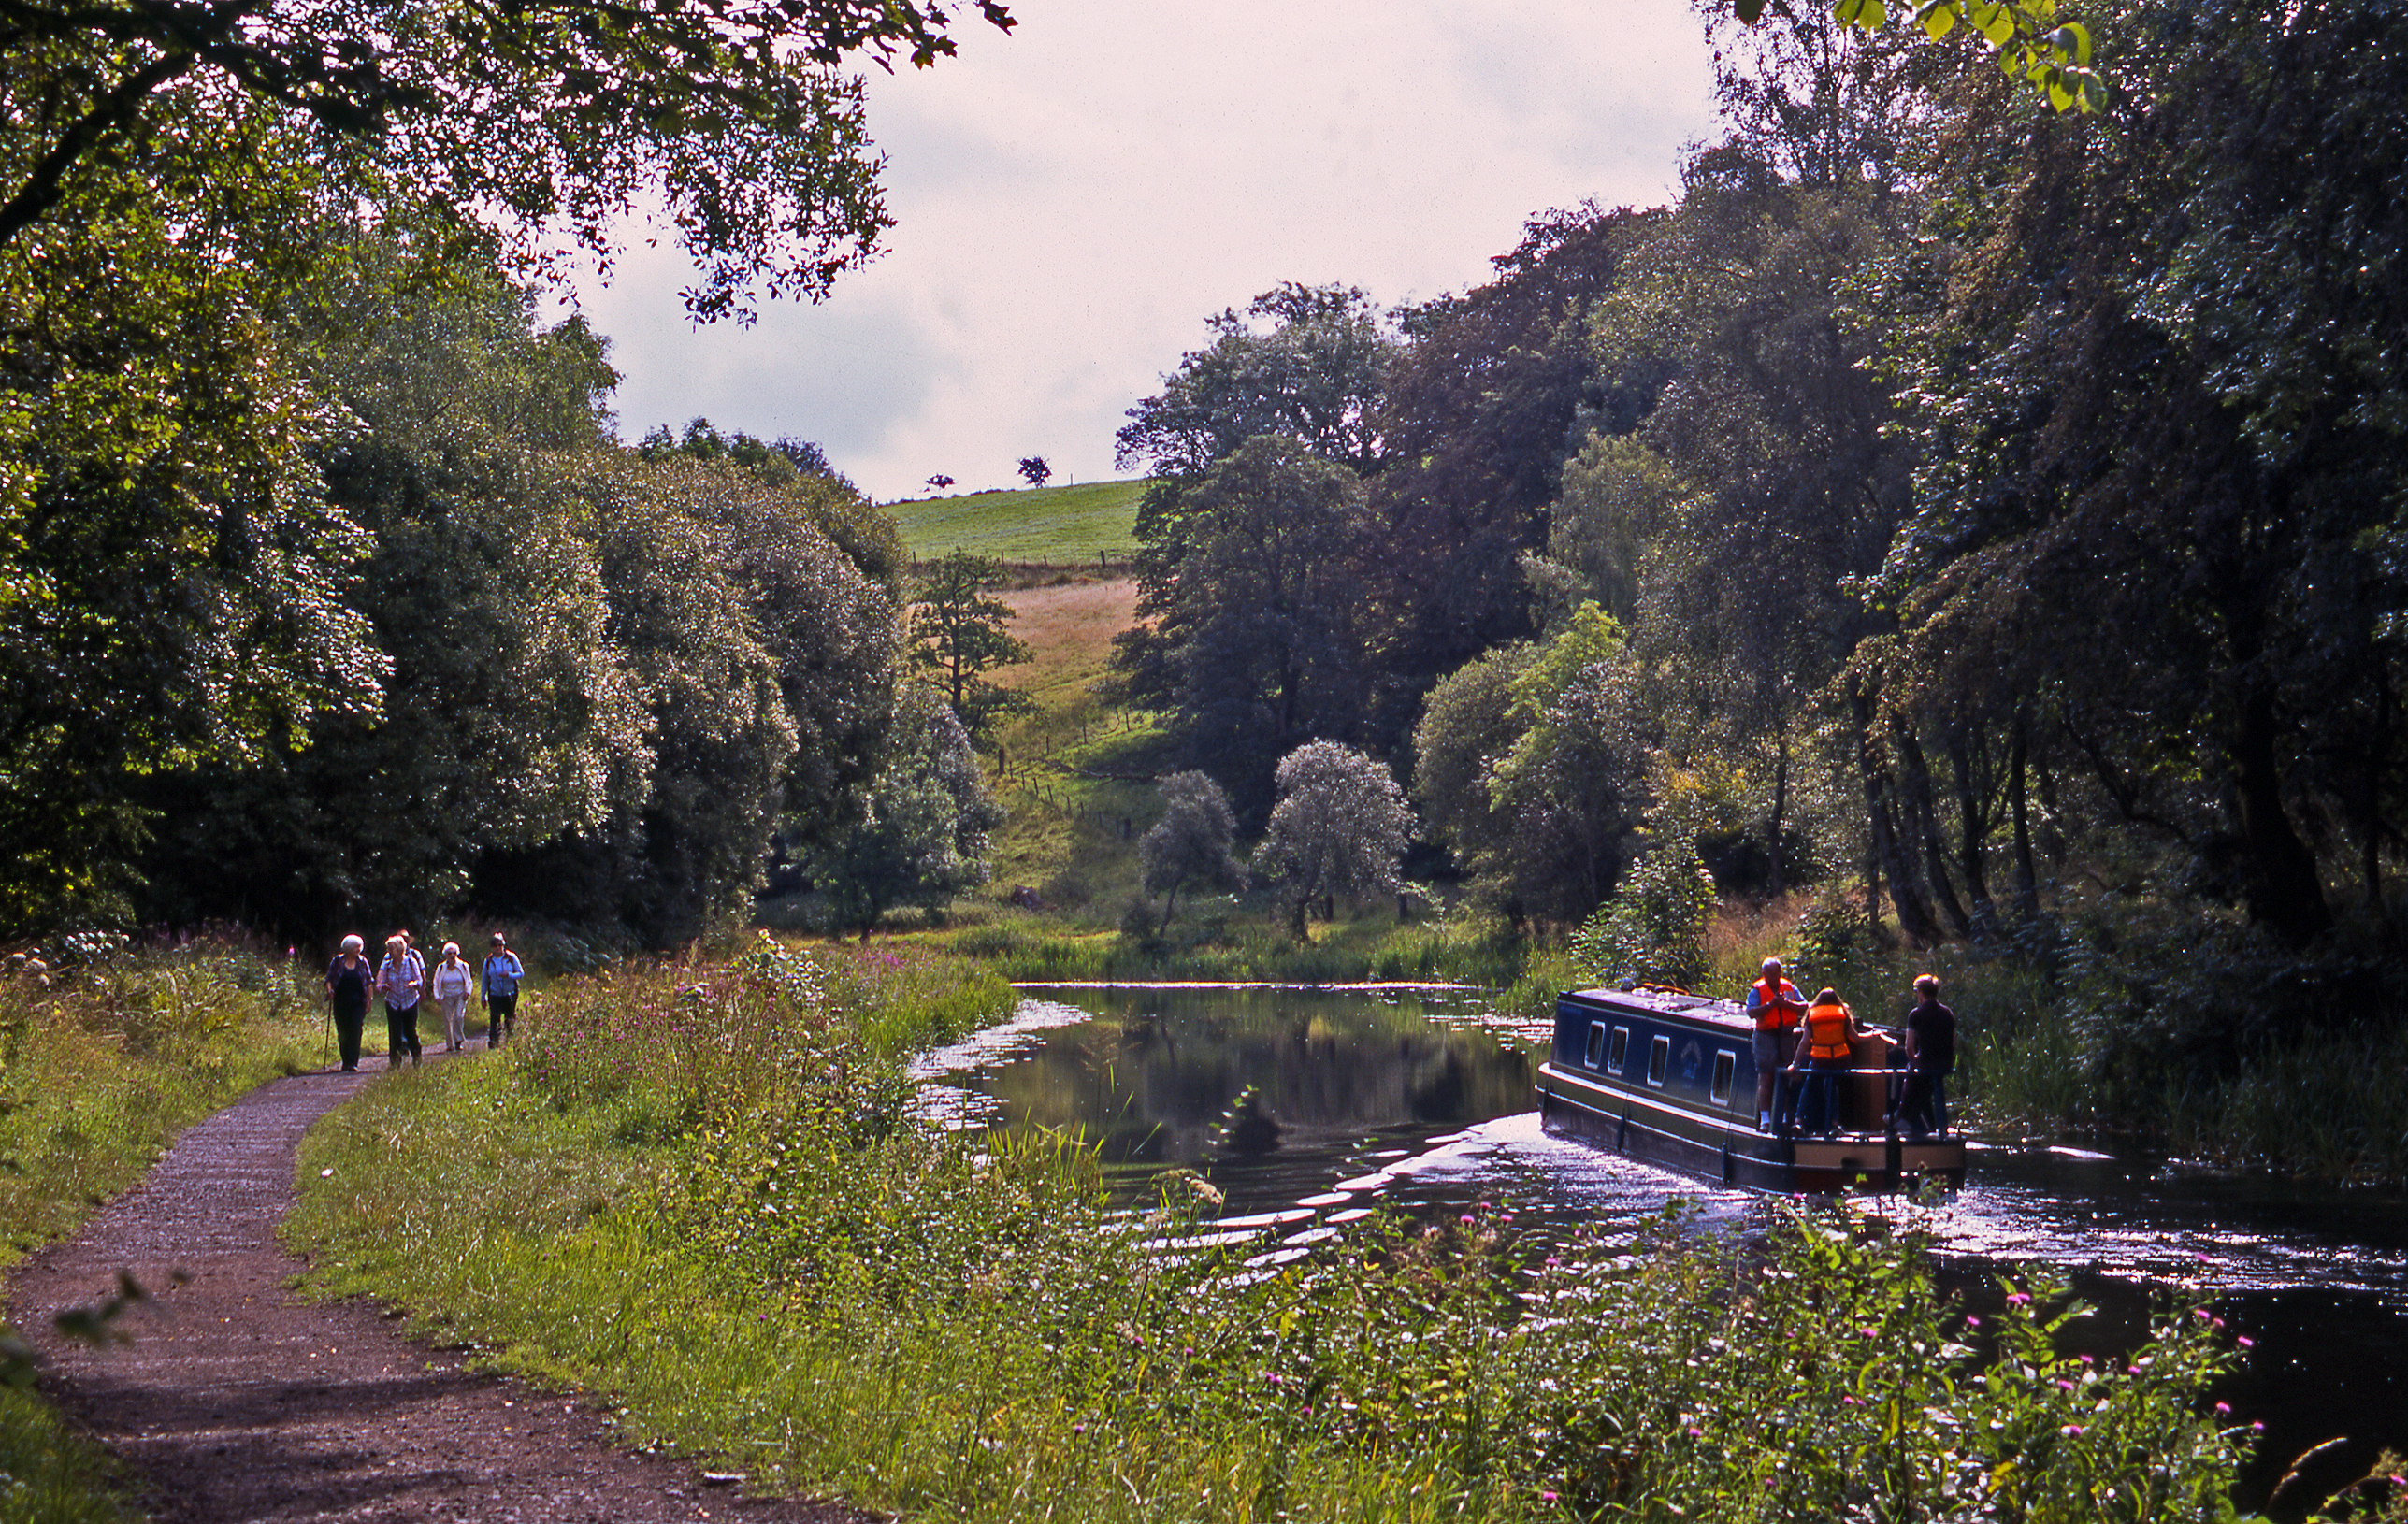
<point x="2073" y="1430"/>
<point x="2021" y="1299"/>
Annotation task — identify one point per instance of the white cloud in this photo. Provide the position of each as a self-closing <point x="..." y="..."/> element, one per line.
<point x="1074" y="199"/>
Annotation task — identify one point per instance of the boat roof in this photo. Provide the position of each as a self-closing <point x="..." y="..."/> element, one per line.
<point x="1659" y="1000"/>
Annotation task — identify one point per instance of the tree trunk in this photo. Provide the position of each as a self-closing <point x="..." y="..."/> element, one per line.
<point x="1973" y="818"/>
<point x="1779" y="809"/>
<point x="2369" y="829"/>
<point x="1297" y="922"/>
<point x="1914" y="917"/>
<point x="2284" y="894"/>
<point x="1915" y="783"/>
<point x="1170" y="897"/>
<point x="2028" y="883"/>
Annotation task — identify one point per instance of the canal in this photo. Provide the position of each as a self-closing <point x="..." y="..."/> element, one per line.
<point x="1311" y="1107"/>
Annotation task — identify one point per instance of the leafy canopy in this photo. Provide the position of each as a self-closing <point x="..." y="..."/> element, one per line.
<point x="551" y="120"/>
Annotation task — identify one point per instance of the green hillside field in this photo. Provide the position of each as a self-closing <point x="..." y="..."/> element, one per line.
<point x="1049" y="525"/>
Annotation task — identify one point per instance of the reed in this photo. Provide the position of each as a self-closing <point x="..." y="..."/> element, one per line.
<point x="784" y="1268"/>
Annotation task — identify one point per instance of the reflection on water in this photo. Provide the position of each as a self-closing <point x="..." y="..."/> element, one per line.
<point x="1307" y="1106"/>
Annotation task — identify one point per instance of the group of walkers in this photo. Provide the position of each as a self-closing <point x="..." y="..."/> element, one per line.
<point x="1815" y="1039"/>
<point x="403" y="980"/>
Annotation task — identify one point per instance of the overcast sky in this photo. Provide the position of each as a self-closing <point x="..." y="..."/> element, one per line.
<point x="1074" y="199"/>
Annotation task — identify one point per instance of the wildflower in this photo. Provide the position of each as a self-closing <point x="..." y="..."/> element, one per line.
<point x="1696" y="1432"/>
<point x="1973" y="1322"/>
<point x="1467" y="1217"/>
<point x="1868" y="1333"/>
<point x="2064" y="1386"/>
<point x="1546" y="1497"/>
<point x="2222" y="1409"/>
<point x="1850" y="1401"/>
<point x="2245" y="1342"/>
<point x="2072" y="1430"/>
<point x="2021" y="1299"/>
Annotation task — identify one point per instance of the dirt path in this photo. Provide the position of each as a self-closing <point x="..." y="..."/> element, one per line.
<point x="238" y="1401"/>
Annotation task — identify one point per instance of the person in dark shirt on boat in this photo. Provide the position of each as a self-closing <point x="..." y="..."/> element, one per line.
<point x="1931" y="1053"/>
<point x="1774" y="1010"/>
<point x="1829" y="1052"/>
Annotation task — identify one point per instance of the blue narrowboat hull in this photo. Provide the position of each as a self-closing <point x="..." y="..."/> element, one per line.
<point x="1670" y="1078"/>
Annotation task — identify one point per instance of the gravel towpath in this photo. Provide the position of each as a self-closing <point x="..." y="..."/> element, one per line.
<point x="237" y="1401"/>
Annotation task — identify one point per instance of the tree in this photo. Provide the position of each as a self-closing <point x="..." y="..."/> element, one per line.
<point x="1034" y="472"/>
<point x="2027" y="38"/>
<point x="169" y="572"/>
<point x="922" y="833"/>
<point x="1315" y="377"/>
<point x="1654" y="926"/>
<point x="554" y="121"/>
<point x="1572" y="785"/>
<point x="2164" y="404"/>
<point x="1498" y="388"/>
<point x="1190" y="843"/>
<point x="958" y="633"/>
<point x="1251" y="598"/>
<point x="1340" y="827"/>
<point x="940" y="482"/>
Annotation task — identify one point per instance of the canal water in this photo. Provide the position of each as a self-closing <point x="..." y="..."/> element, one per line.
<point x="1310" y="1107"/>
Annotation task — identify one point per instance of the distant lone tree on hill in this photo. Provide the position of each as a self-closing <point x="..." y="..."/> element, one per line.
<point x="1034" y="470"/>
<point x="940" y="482"/>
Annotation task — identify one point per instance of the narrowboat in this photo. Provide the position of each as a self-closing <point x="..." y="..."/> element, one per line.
<point x="1669" y="1077"/>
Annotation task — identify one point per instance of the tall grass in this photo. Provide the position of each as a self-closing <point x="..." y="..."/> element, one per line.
<point x="801" y="1278"/>
<point x="2331" y="1103"/>
<point x="106" y="1053"/>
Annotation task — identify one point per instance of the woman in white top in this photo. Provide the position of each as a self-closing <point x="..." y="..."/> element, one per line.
<point x="449" y="983"/>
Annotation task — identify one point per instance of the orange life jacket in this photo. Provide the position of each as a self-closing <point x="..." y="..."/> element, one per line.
<point x="1826" y="1031"/>
<point x="1771" y="1015"/>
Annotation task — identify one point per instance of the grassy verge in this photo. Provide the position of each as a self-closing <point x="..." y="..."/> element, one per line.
<point x="706" y="1195"/>
<point x="103" y="1060"/>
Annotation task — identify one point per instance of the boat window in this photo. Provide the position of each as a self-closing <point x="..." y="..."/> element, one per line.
<point x="1658" y="1058"/>
<point x="1621" y="1049"/>
<point x="1596" y="1042"/>
<point x="1724" y="1063"/>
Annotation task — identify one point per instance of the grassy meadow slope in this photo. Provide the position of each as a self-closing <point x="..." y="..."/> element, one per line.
<point x="1051" y="526"/>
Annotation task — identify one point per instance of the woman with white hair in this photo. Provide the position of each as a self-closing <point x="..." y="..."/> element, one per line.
<point x="348" y="980"/>
<point x="400" y="980"/>
<point x="449" y="983"/>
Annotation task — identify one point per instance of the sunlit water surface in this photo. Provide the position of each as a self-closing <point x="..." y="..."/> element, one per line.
<point x="1309" y="1107"/>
